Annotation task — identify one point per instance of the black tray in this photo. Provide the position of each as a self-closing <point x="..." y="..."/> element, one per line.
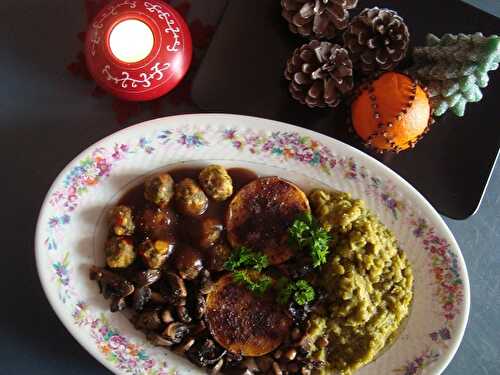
<point x="243" y="73"/>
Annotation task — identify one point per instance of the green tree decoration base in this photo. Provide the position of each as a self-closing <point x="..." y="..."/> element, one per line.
<point x="455" y="68"/>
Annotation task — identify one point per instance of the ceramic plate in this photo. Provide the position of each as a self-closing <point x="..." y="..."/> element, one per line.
<point x="71" y="232"/>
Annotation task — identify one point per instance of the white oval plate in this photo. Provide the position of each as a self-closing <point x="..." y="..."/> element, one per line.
<point x="70" y="232"/>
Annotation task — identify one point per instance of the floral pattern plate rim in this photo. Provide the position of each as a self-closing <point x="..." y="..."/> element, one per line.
<point x="70" y="231"/>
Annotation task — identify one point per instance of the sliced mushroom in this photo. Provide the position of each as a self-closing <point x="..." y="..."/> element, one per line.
<point x="148" y="320"/>
<point x="177" y="288"/>
<point x="158" y="299"/>
<point x="175" y="332"/>
<point x="200" y="306"/>
<point x="277" y="354"/>
<point x="111" y="284"/>
<point x="158" y="340"/>
<point x="140" y="297"/>
<point x="146" y="278"/>
<point x="276" y="369"/>
<point x="117" y="304"/>
<point x="206" y="283"/>
<point x="216" y="369"/>
<point x="234" y="359"/>
<point x="183" y="314"/>
<point x="206" y="353"/>
<point x="166" y="316"/>
<point x="185" y="346"/>
<point x="250" y="365"/>
<point x="188" y="262"/>
<point x="177" y="301"/>
<point x="290" y="354"/>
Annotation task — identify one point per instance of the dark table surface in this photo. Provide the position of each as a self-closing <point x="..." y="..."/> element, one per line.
<point x="450" y="175"/>
<point x="47" y="117"/>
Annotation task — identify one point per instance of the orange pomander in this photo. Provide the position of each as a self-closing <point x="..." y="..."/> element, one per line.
<point x="391" y="113"/>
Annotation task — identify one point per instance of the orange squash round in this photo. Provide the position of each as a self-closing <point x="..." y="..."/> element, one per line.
<point x="391" y="113"/>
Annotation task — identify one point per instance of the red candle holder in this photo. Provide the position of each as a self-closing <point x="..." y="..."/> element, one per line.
<point x="138" y="50"/>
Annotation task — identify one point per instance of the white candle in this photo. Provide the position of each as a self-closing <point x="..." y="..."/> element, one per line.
<point x="131" y="41"/>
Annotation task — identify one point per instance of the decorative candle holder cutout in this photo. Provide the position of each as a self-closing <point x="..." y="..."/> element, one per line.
<point x="138" y="50"/>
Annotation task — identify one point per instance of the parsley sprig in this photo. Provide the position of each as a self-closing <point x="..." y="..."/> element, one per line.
<point x="254" y="281"/>
<point x="306" y="233"/>
<point x="247" y="266"/>
<point x="300" y="291"/>
<point x="243" y="257"/>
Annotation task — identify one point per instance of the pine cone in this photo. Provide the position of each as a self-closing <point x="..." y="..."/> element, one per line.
<point x="317" y="18"/>
<point x="320" y="74"/>
<point x="377" y="39"/>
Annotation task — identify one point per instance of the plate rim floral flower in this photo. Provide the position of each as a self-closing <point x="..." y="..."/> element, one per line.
<point x="355" y="165"/>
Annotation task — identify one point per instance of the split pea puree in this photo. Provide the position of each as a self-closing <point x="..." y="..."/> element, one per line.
<point x="368" y="282"/>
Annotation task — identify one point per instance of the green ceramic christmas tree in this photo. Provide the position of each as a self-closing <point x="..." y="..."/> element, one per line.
<point x="455" y="68"/>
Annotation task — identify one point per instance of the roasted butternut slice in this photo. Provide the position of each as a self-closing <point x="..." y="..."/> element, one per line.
<point x="260" y="214"/>
<point x="243" y="322"/>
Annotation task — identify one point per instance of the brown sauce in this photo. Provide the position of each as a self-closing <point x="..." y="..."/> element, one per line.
<point x="241" y="177"/>
<point x="183" y="227"/>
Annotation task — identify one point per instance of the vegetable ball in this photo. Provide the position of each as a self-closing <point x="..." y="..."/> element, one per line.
<point x="189" y="198"/>
<point x="159" y="189"/>
<point x="216" y="182"/>
<point x="119" y="252"/>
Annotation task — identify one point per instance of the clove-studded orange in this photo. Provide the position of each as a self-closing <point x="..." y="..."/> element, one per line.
<point x="391" y="113"/>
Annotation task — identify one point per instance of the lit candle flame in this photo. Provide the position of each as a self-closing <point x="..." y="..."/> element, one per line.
<point x="131" y="41"/>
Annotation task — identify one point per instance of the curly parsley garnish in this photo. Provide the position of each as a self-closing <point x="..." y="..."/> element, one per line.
<point x="255" y="282"/>
<point x="247" y="265"/>
<point x="306" y="233"/>
<point x="243" y="257"/>
<point x="301" y="291"/>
